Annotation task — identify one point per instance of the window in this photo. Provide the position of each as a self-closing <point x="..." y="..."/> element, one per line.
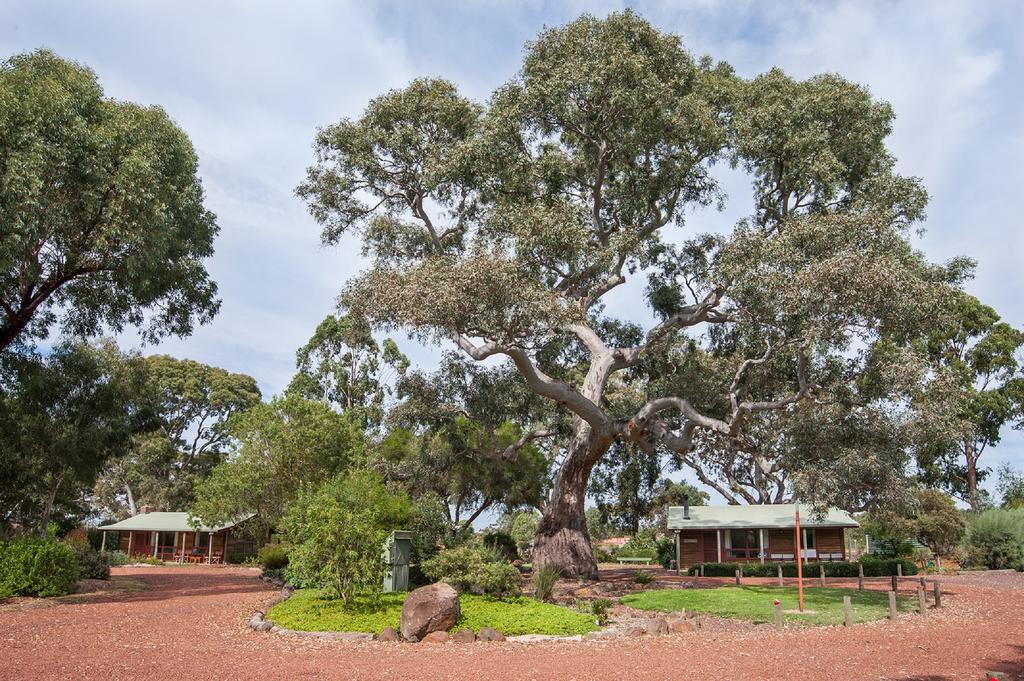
<point x="809" y="539"/>
<point x="743" y="544"/>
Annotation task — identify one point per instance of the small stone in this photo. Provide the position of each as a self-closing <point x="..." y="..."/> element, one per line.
<point x="256" y="620"/>
<point x="599" y="635"/>
<point x="634" y="631"/>
<point x="437" y="637"/>
<point x="388" y="635"/>
<point x="656" y="627"/>
<point x="683" y="626"/>
<point x="464" y="636"/>
<point x="353" y="636"/>
<point x="490" y="635"/>
<point x="265" y="625"/>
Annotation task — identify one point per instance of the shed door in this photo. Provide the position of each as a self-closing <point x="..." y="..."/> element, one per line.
<point x="710" y="541"/>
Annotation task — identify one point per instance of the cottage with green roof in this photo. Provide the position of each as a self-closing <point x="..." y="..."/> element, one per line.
<point x="177" y="537"/>
<point x="765" y="533"/>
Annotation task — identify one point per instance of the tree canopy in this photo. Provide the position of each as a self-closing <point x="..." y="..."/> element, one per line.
<point x="188" y="404"/>
<point x="62" y="417"/>
<point x="102" y="222"/>
<point x="277" y="449"/>
<point x="980" y="381"/>
<point x="503" y="228"/>
<point x="343" y="365"/>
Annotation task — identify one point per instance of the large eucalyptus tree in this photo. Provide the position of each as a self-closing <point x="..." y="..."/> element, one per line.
<point x="505" y="228"/>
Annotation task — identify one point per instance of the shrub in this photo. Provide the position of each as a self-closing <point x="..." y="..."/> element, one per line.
<point x="502" y="544"/>
<point x="716" y="569"/>
<point x="644" y="544"/>
<point x="91" y="563"/>
<point x="37" y="567"/>
<point x="601" y="555"/>
<point x="666" y="552"/>
<point x="873" y="567"/>
<point x="273" y="573"/>
<point x="272" y="557"/>
<point x="643" y="577"/>
<point x="544" y="581"/>
<point x="600" y="609"/>
<point x="995" y="539"/>
<point x="115" y="558"/>
<point x="473" y="568"/>
<point x="336" y="532"/>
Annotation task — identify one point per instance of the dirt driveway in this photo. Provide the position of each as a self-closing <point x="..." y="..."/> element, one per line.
<point x="190" y="623"/>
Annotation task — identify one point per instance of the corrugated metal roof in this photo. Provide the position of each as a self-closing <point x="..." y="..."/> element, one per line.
<point x="165" y="521"/>
<point x="763" y="516"/>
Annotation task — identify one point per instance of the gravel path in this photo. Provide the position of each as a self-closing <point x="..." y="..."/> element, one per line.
<point x="190" y="623"/>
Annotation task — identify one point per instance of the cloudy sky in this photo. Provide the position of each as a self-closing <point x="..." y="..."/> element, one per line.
<point x="250" y="81"/>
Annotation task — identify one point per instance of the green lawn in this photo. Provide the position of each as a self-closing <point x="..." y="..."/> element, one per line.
<point x="756" y="603"/>
<point x="308" y="610"/>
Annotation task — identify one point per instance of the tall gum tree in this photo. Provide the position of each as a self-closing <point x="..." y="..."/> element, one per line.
<point x="503" y="228"/>
<point x="102" y="222"/>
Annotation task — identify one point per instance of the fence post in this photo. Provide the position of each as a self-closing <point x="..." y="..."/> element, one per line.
<point x="778" y="616"/>
<point x="821" y="569"/>
<point x="922" y="604"/>
<point x="739" y="572"/>
<point x="895" y="582"/>
<point x="780" y="575"/>
<point x="923" y="585"/>
<point x="702" y="569"/>
<point x="860" y="576"/>
<point x="847" y="612"/>
<point x="892" y="605"/>
<point x="899" y="569"/>
<point x="938" y="594"/>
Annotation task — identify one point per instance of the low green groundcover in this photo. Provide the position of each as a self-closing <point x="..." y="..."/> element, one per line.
<point x="308" y="610"/>
<point x="822" y="606"/>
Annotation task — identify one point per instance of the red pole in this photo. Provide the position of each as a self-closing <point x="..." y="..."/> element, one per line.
<point x="799" y="562"/>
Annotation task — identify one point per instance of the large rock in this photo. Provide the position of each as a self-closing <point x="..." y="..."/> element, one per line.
<point x="428" y="609"/>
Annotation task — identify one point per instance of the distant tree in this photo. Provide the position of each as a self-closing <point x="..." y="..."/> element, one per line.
<point x="521" y="526"/>
<point x="598" y="527"/>
<point x="102" y="221"/>
<point x="452" y="435"/>
<point x="189" y="404"/>
<point x="343" y="365"/>
<point x="939" y="523"/>
<point x="671" y="493"/>
<point x="976" y="358"/>
<point x="931" y="517"/>
<point x="1011" y="487"/>
<point x="624" y="485"/>
<point x="62" y="417"/>
<point x="503" y="229"/>
<point x="276" y="449"/>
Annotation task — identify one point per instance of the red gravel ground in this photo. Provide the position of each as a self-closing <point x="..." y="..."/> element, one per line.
<point x="190" y="623"/>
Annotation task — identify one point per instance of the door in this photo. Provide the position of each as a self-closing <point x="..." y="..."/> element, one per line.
<point x="710" y="542"/>
<point x="141" y="544"/>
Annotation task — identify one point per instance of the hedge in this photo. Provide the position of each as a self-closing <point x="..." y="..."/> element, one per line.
<point x="37" y="567"/>
<point x="872" y="568"/>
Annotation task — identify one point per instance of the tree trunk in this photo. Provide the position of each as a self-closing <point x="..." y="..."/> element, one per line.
<point x="972" y="476"/>
<point x="562" y="540"/>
